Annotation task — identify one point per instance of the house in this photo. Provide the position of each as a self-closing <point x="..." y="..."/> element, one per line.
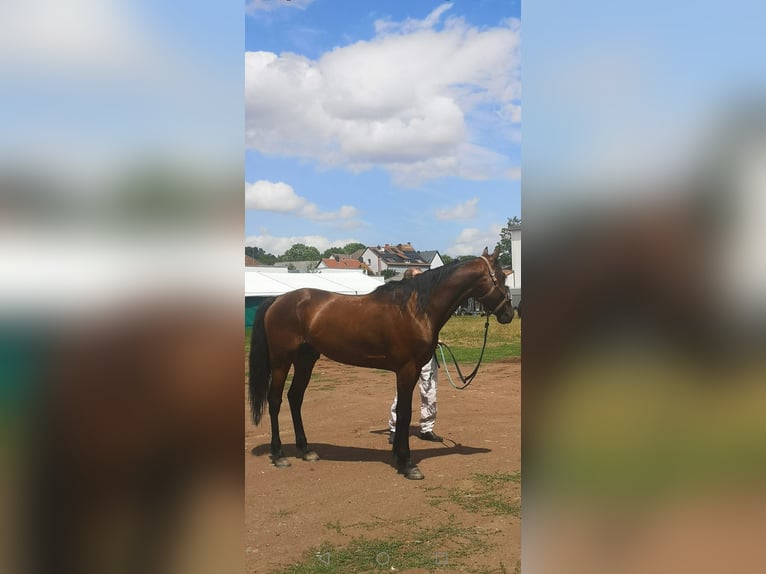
<point x="397" y="258"/>
<point x="337" y="262"/>
<point x="514" y="280"/>
<point x="433" y="258"/>
<point x="337" y="256"/>
<point x="297" y="266"/>
<point x="357" y="254"/>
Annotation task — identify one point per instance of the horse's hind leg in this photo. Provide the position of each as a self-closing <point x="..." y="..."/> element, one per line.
<point x="304" y="364"/>
<point x="278" y="376"/>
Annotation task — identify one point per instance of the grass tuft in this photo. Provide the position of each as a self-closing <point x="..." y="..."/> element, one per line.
<point x="488" y="495"/>
<point x="420" y="549"/>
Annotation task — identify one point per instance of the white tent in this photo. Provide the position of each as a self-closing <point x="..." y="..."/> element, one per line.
<point x="261" y="282"/>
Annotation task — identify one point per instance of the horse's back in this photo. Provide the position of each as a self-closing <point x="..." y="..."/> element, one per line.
<point x="294" y="313"/>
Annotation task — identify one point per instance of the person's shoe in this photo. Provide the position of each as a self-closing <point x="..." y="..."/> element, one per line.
<point x="391" y="436"/>
<point x="430" y="436"/>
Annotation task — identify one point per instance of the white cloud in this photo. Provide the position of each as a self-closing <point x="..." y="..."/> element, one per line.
<point x="278" y="245"/>
<point x="514" y="173"/>
<point x="272" y="196"/>
<point x="281" y="198"/>
<point x="510" y="112"/>
<point x="465" y="210"/>
<point x="254" y="6"/>
<point x="412" y="25"/>
<point x="73" y="37"/>
<point x="403" y="101"/>
<point x="472" y="241"/>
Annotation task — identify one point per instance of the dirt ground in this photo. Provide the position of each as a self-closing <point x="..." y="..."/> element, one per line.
<point x="464" y="514"/>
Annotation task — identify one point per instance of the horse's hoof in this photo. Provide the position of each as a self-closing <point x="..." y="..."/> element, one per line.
<point x="310" y="456"/>
<point x="411" y="473"/>
<point x="281" y="462"/>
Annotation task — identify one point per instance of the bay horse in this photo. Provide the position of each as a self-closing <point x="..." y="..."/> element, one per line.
<point x="395" y="328"/>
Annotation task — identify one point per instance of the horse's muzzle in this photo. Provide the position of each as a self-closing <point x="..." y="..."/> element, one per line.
<point x="504" y="318"/>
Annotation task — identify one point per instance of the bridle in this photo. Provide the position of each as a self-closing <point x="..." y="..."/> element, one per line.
<point x="495" y="285"/>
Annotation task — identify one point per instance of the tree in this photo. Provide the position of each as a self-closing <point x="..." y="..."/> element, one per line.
<point x="388" y="273"/>
<point x="329" y="252"/>
<point x="253" y="252"/>
<point x="300" y="252"/>
<point x="446" y="259"/>
<point x="261" y="255"/>
<point x="268" y="259"/>
<point x="506" y="259"/>
<point x="349" y="248"/>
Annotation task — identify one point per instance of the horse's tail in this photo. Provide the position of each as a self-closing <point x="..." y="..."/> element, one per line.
<point x="260" y="365"/>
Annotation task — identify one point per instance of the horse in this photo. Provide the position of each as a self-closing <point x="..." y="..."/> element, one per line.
<point x="394" y="328"/>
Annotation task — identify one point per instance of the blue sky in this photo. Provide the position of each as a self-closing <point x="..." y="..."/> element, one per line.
<point x="382" y="123"/>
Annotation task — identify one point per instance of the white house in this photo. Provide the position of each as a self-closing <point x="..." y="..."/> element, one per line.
<point x="514" y="280"/>
<point x="433" y="258"/>
<point x="399" y="258"/>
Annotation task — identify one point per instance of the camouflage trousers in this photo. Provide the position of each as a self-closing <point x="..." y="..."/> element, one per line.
<point x="427" y="386"/>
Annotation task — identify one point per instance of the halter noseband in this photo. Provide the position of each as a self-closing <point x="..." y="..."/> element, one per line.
<point x="493" y="276"/>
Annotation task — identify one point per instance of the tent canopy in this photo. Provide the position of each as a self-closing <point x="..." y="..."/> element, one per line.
<point x="268" y="283"/>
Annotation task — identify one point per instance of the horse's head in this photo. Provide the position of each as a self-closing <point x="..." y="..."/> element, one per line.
<point x="496" y="301"/>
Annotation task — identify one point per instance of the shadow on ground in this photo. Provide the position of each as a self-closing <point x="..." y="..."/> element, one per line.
<point x="337" y="453"/>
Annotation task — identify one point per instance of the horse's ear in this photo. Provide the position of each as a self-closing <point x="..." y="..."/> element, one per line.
<point x="485" y="253"/>
<point x="496" y="253"/>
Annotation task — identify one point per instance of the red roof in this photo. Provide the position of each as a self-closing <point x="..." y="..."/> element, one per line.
<point x="332" y="263"/>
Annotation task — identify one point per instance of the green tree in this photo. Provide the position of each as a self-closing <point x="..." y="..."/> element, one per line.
<point x="300" y="252"/>
<point x="506" y="259"/>
<point x="328" y="252"/>
<point x="388" y="273"/>
<point x="349" y="248"/>
<point x="446" y="259"/>
<point x="268" y="259"/>
<point x="261" y="255"/>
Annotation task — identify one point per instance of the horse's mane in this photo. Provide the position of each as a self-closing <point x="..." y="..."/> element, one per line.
<point x="399" y="292"/>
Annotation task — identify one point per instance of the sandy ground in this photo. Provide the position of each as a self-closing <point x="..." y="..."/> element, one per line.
<point x="354" y="491"/>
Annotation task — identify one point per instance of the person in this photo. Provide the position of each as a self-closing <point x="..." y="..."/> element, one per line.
<point x="427" y="385"/>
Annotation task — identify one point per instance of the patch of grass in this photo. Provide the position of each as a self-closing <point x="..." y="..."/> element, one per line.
<point x="495" y="478"/>
<point x="333" y="526"/>
<point x="488" y="495"/>
<point x="418" y="550"/>
<point x="465" y="335"/>
<point x="499" y="570"/>
<point x="467" y="357"/>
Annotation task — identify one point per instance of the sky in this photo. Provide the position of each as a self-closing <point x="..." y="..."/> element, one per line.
<point x="390" y="122"/>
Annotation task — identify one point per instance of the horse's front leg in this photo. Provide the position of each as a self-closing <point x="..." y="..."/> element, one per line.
<point x="405" y="383"/>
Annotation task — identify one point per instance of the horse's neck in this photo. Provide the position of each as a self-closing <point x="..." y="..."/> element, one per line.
<point x="446" y="297"/>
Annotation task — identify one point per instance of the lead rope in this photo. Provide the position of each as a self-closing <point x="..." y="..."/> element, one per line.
<point x="468" y="379"/>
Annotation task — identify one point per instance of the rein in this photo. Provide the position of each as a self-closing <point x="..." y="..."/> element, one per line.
<point x="465" y="380"/>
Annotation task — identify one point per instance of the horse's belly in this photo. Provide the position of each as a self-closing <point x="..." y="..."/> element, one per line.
<point x="362" y="358"/>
